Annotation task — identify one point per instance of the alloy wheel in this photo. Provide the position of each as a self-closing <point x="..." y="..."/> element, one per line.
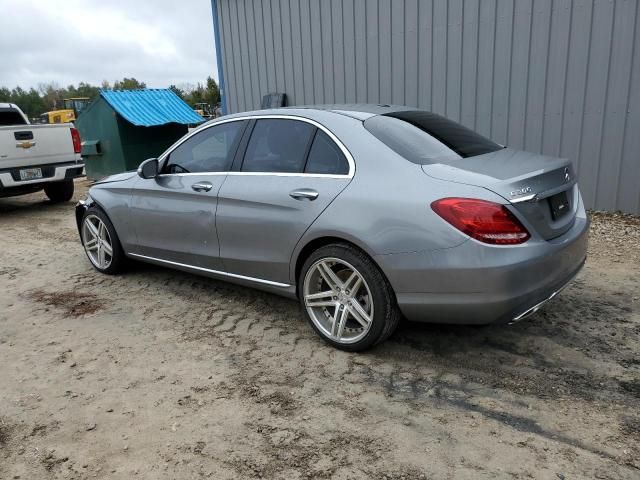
<point x="338" y="300"/>
<point x="97" y="242"/>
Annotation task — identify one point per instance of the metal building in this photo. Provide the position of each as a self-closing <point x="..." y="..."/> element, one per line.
<point x="561" y="77"/>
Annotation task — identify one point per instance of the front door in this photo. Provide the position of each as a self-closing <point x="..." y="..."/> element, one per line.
<point x="174" y="213"/>
<point x="290" y="172"/>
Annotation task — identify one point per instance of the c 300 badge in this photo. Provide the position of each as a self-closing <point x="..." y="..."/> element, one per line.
<point x="520" y="191"/>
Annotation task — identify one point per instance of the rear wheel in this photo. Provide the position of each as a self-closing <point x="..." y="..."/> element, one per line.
<point x="101" y="243"/>
<point x="59" y="191"/>
<point x="346" y="298"/>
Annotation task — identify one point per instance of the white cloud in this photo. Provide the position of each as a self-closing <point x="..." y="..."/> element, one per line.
<point x="160" y="42"/>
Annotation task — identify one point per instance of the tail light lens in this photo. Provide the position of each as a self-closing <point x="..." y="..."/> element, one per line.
<point x="485" y="221"/>
<point x="75" y="137"/>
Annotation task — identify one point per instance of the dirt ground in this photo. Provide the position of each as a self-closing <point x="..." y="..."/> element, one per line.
<point x="165" y="375"/>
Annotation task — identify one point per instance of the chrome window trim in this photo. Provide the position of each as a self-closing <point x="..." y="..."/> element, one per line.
<point x="336" y="140"/>
<point x="215" y="272"/>
<point x="259" y="174"/>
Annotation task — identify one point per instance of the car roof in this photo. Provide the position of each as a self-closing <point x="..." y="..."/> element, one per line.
<point x="359" y="111"/>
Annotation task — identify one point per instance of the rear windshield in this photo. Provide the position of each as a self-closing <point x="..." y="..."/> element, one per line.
<point x="425" y="137"/>
<point x="10" y="116"/>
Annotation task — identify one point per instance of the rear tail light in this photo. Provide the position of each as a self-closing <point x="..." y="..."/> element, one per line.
<point x="485" y="221"/>
<point x="75" y="137"/>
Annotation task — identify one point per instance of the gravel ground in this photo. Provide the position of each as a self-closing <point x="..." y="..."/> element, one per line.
<point x="165" y="375"/>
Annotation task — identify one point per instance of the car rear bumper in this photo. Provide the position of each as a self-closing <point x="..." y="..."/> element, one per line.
<point x="10" y="178"/>
<point x="475" y="283"/>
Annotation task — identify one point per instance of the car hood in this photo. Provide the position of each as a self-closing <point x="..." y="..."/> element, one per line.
<point x="118" y="177"/>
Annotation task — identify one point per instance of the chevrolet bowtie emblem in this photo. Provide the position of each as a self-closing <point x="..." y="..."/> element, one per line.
<point x="26" y="144"/>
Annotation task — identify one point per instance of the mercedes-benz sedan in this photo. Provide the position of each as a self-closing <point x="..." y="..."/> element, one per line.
<point x="364" y="213"/>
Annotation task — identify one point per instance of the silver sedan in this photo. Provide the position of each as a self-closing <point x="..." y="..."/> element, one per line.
<point x="366" y="214"/>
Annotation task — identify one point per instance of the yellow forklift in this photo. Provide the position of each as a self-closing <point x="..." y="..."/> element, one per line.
<point x="204" y="110"/>
<point x="69" y="113"/>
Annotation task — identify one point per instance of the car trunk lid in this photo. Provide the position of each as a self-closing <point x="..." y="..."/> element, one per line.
<point x="540" y="188"/>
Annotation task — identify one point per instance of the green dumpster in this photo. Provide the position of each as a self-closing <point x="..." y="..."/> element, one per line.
<point x="121" y="128"/>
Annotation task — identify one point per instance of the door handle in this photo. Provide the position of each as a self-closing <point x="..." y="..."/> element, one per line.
<point x="304" y="194"/>
<point x="202" y="186"/>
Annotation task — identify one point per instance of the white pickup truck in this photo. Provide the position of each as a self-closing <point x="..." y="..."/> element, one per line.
<point x="37" y="157"/>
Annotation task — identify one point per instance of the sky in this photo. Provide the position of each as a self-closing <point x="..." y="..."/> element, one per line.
<point x="159" y="42"/>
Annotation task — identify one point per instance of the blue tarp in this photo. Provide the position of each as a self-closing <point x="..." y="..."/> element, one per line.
<point x="151" y="107"/>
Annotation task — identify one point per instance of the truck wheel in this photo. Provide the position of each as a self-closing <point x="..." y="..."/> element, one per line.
<point x="59" y="191"/>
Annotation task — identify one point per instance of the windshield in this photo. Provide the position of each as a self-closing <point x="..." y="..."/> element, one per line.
<point x="424" y="137"/>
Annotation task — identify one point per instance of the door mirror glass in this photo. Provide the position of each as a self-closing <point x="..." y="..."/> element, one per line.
<point x="148" y="168"/>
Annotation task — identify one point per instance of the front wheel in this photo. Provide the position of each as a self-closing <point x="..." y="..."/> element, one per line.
<point x="59" y="191"/>
<point x="101" y="243"/>
<point x="346" y="298"/>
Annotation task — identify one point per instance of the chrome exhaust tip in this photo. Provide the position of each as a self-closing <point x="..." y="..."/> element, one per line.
<point x="530" y="311"/>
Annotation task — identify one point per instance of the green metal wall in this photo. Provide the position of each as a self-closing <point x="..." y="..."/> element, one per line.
<point x="99" y="122"/>
<point x="140" y="143"/>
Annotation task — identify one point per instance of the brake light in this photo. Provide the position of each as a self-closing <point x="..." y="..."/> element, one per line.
<point x="75" y="137"/>
<point x="485" y="221"/>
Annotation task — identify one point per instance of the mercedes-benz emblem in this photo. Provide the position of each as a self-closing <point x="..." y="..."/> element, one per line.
<point x="567" y="177"/>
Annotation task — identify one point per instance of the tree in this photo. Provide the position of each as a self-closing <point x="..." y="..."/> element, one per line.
<point x="128" y="84"/>
<point x="52" y="95"/>
<point x="212" y="94"/>
<point x="177" y="91"/>
<point x="197" y="94"/>
<point x="29" y="101"/>
<point x="82" y="90"/>
<point x="5" y="95"/>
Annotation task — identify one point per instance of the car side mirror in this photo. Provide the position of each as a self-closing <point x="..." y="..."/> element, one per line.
<point x="148" y="168"/>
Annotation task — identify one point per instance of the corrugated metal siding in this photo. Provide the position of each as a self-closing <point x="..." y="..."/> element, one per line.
<point x="561" y="77"/>
<point x="151" y="107"/>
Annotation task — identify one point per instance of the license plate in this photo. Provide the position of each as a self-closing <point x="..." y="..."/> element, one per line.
<point x="559" y="204"/>
<point x="30" y="173"/>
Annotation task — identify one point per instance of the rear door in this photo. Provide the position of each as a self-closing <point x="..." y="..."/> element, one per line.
<point x="287" y="172"/>
<point x="174" y="213"/>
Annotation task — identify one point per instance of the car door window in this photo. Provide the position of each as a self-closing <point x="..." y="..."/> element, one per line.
<point x="278" y="145"/>
<point x="326" y="157"/>
<point x="210" y="150"/>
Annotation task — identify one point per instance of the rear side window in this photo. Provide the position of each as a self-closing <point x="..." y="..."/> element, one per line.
<point x="425" y="137"/>
<point x="210" y="150"/>
<point x="278" y="146"/>
<point x="326" y="157"/>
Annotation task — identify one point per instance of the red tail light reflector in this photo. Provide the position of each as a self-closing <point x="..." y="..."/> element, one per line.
<point x="485" y="221"/>
<point x="77" y="143"/>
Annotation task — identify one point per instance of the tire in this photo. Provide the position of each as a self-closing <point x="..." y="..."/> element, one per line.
<point x="98" y="251"/>
<point x="59" y="191"/>
<point x="356" y="329"/>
